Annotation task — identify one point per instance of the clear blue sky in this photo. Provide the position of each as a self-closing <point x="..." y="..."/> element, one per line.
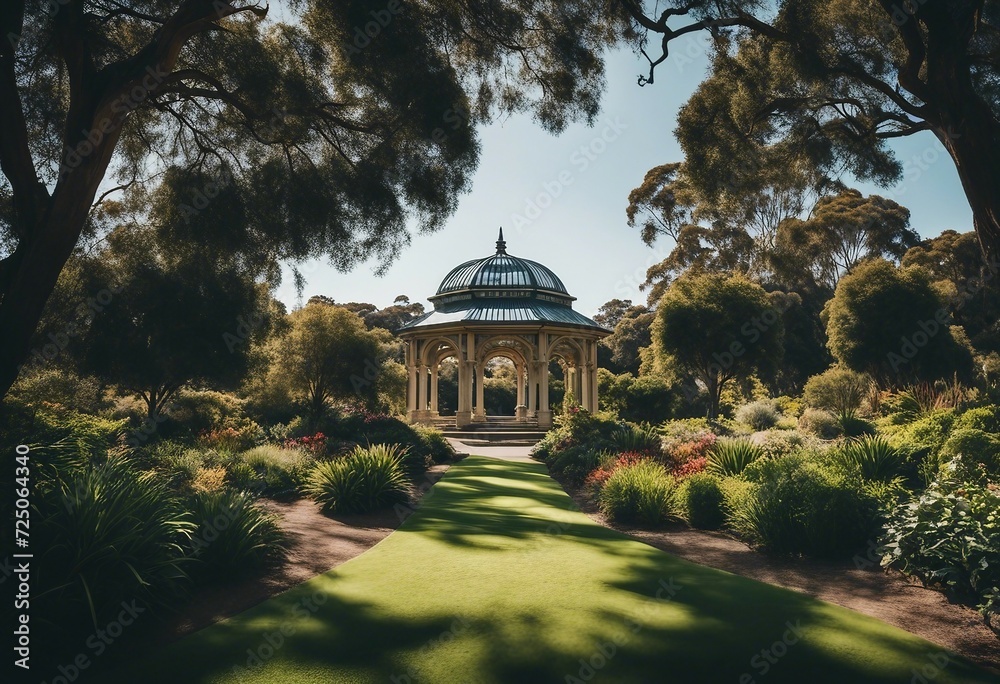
<point x="582" y="234"/>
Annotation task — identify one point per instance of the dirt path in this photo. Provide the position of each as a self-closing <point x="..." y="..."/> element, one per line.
<point x="888" y="596"/>
<point x="316" y="543"/>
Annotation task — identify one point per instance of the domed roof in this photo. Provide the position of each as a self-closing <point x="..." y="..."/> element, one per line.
<point x="501" y="270"/>
<point x="501" y="290"/>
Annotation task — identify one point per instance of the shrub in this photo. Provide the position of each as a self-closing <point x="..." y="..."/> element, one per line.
<point x="574" y="464"/>
<point x="594" y="431"/>
<point x="871" y="456"/>
<point x="838" y="390"/>
<point x="314" y="444"/>
<point x="641" y="493"/>
<point x="232" y="438"/>
<point x="367" y="479"/>
<point x="856" y="427"/>
<point x="203" y="410"/>
<point x="637" y="438"/>
<point x="949" y="535"/>
<point x="695" y="465"/>
<point x="799" y="506"/>
<point x="760" y="415"/>
<point x="367" y="428"/>
<point x="973" y="446"/>
<point x="985" y="418"/>
<point x="276" y="472"/>
<point x="820" y="423"/>
<point x="703" y="501"/>
<point x="109" y="534"/>
<point x="435" y="444"/>
<point x="680" y="453"/>
<point x="235" y="536"/>
<point x="209" y="479"/>
<point x="921" y="441"/>
<point x="778" y="443"/>
<point x="732" y="456"/>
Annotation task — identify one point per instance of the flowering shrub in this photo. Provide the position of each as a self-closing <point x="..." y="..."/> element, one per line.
<point x="600" y="475"/>
<point x="688" y="468"/>
<point x="232" y="438"/>
<point x="314" y="444"/>
<point x="679" y="453"/>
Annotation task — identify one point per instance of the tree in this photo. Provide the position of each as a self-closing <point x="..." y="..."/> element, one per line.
<point x="843" y="230"/>
<point x="631" y="334"/>
<point x="611" y="312"/>
<point x="891" y="323"/>
<point x="840" y="390"/>
<point x="170" y="321"/>
<point x="956" y="263"/>
<point x="329" y="133"/>
<point x="327" y="354"/>
<point x="731" y="231"/>
<point x="716" y="329"/>
<point x="825" y="83"/>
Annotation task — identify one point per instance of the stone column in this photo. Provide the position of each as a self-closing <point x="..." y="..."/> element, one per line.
<point x="480" y="413"/>
<point x="463" y="416"/>
<point x="421" y="392"/>
<point x="592" y="367"/>
<point x="544" y="414"/>
<point x="520" y="410"/>
<point x="411" y="393"/>
<point x="585" y="389"/>
<point x="435" y="369"/>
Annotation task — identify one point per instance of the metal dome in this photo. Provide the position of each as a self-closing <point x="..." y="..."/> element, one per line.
<point x="501" y="270"/>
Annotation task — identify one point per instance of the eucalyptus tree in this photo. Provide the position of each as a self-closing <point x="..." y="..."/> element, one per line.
<point x="332" y="131"/>
<point x="824" y="84"/>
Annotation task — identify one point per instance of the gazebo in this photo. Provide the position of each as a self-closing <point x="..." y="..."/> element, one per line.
<point x="500" y="306"/>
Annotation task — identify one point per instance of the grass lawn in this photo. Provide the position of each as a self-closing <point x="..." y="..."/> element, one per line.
<point x="497" y="579"/>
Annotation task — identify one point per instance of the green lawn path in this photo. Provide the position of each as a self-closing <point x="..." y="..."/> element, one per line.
<point x="497" y="579"/>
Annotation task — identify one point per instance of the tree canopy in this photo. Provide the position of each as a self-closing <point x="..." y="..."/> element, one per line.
<point x="716" y="329"/>
<point x="328" y="134"/>
<point x="892" y="323"/>
<point x="824" y="84"/>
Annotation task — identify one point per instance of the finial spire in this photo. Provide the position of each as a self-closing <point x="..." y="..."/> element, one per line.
<point x="501" y="244"/>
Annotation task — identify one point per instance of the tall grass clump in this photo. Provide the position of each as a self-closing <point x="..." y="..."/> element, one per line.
<point x="642" y="493"/>
<point x="872" y="456"/>
<point x="703" y="501"/>
<point x="366" y="479"/>
<point x="110" y="534"/>
<point x="642" y="439"/>
<point x="235" y="536"/>
<point x="732" y="456"/>
<point x="270" y="470"/>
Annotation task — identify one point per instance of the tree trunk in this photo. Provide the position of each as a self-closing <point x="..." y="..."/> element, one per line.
<point x="40" y="257"/>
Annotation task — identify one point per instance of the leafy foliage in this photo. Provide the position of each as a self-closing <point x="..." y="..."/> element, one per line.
<point x="732" y="456"/>
<point x="109" y="534"/>
<point x="642" y="493"/>
<point x="705" y="326"/>
<point x="949" y="535"/>
<point x="703" y="501"/>
<point x="872" y="456"/>
<point x="798" y="506"/>
<point x="760" y="415"/>
<point x="366" y="479"/>
<point x="234" y="536"/>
